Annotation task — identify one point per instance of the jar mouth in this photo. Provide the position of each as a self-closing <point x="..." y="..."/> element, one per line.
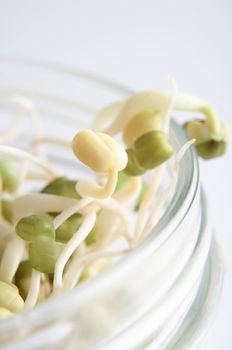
<point x="183" y="198"/>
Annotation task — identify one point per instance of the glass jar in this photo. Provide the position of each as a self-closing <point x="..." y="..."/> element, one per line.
<point x="162" y="295"/>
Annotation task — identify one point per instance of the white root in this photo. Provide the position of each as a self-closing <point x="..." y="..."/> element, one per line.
<point x="36" y="175"/>
<point x="130" y="192"/>
<point x="107" y="115"/>
<point x="90" y="189"/>
<point x="71" y="246"/>
<point x="158" y="205"/>
<point x="19" y="155"/>
<point x="115" y="207"/>
<point x="34" y="289"/>
<point x="147" y="100"/>
<point x="11" y="258"/>
<point x="50" y="140"/>
<point x="77" y="265"/>
<point x="146" y="202"/>
<point x="77" y="207"/>
<point x="40" y="203"/>
<point x="13" y="132"/>
<point x="192" y="103"/>
<point x="23" y="103"/>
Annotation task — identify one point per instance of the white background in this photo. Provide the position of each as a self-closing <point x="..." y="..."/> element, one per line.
<point x="137" y="43"/>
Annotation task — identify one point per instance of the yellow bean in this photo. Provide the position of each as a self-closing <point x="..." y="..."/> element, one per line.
<point x="10" y="298"/>
<point x="91" y="150"/>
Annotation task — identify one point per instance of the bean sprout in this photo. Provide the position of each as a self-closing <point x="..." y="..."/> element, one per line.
<point x="56" y="235"/>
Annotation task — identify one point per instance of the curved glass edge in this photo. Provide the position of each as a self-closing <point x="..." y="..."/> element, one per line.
<point x="197" y="322"/>
<point x="200" y="319"/>
<point x="201" y="253"/>
<point x="99" y="79"/>
<point x="148" y="245"/>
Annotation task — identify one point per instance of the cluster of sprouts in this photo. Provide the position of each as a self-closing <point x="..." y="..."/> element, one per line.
<point x="70" y="230"/>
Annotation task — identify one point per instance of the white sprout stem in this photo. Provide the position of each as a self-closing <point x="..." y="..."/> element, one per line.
<point x="147" y="200"/>
<point x="11" y="259"/>
<point x="107" y="115"/>
<point x="72" y="268"/>
<point x="72" y="276"/>
<point x="156" y="100"/>
<point x="41" y="141"/>
<point x="45" y="284"/>
<point x="12" y="133"/>
<point x="21" y="176"/>
<point x="148" y="100"/>
<point x="18" y="154"/>
<point x="89" y="189"/>
<point x="51" y="140"/>
<point x="131" y="191"/>
<point x="115" y="206"/>
<point x="77" y="207"/>
<point x="28" y="105"/>
<point x="157" y="207"/>
<point x="34" y="289"/>
<point x="125" y="234"/>
<point x="71" y="246"/>
<point x="41" y="203"/>
<point x="36" y="175"/>
<point x="186" y="102"/>
<point x="181" y="153"/>
<point x="25" y="104"/>
<point x="79" y="263"/>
